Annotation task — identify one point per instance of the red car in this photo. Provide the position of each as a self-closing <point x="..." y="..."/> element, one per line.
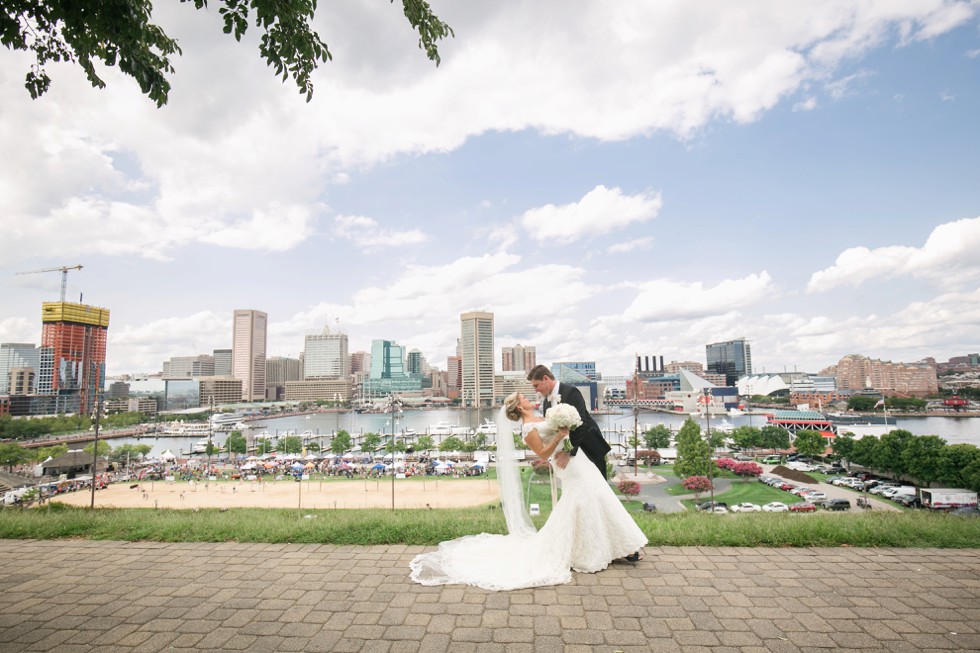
<point x="802" y="507"/>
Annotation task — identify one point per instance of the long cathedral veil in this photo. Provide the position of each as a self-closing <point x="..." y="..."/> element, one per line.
<point x="509" y="479"/>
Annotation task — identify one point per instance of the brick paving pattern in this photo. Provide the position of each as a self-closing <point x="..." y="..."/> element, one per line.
<point x="67" y="596"/>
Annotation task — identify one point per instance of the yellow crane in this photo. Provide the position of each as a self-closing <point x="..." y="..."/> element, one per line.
<point x="63" y="269"/>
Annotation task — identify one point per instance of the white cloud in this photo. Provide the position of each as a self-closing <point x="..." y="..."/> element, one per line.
<point x="663" y="300"/>
<point x="947" y="257"/>
<point x="601" y="211"/>
<point x="144" y="347"/>
<point x="808" y="104"/>
<point x="368" y="235"/>
<point x="629" y="246"/>
<point x="844" y="87"/>
<point x="235" y="148"/>
<point x="19" y="329"/>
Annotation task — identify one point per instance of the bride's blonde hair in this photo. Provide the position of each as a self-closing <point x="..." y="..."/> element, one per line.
<point x="512" y="408"/>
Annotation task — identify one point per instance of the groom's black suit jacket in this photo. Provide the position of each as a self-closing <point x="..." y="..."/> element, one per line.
<point x="586" y="437"/>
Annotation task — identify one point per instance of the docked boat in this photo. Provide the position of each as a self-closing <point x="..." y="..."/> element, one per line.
<point x="488" y="427"/>
<point x="187" y="429"/>
<point x="442" y="428"/>
<point x="201" y="446"/>
<point x="226" y="421"/>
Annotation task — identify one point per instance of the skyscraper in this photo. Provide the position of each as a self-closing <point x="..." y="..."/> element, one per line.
<point x="476" y="335"/>
<point x="76" y="337"/>
<point x="325" y="355"/>
<point x="518" y="358"/>
<point x="17" y="355"/>
<point x="248" y="345"/>
<point x="417" y="364"/>
<point x="222" y="362"/>
<point x="732" y="358"/>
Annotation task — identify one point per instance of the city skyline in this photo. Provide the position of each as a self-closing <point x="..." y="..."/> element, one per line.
<point x="636" y="179"/>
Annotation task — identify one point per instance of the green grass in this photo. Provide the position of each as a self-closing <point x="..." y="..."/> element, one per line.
<point x="428" y="527"/>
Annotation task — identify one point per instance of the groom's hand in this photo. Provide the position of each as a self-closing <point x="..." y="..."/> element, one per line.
<point x="561" y="459"/>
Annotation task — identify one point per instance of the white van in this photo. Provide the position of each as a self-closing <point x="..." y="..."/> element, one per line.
<point x="892" y="492"/>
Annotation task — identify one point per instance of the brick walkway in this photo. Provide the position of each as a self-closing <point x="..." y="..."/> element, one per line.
<point x="66" y="596"/>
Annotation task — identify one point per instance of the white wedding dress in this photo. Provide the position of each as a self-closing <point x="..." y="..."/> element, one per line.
<point x="588" y="528"/>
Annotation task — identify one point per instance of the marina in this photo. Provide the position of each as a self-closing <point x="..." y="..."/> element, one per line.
<point x="444" y="422"/>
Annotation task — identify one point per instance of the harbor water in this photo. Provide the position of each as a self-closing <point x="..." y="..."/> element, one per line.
<point x="617" y="428"/>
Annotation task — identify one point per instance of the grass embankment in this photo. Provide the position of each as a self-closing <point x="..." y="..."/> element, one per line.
<point x="428" y="527"/>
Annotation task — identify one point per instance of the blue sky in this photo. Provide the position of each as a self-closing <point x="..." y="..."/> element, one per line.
<point x="607" y="180"/>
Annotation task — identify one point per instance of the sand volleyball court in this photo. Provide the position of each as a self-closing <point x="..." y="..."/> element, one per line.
<point x="314" y="494"/>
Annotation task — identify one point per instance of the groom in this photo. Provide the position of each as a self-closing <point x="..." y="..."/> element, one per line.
<point x="587" y="437"/>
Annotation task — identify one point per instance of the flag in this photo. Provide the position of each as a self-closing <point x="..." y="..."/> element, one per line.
<point x="881" y="402"/>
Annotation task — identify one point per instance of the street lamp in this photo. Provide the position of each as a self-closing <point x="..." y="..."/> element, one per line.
<point x="707" y="417"/>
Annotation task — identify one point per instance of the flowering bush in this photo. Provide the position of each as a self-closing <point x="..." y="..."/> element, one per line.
<point x="697" y="484"/>
<point x="541" y="467"/>
<point x="629" y="488"/>
<point x="739" y="468"/>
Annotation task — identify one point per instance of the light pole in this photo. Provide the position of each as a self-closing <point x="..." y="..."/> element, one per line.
<point x="707" y="418"/>
<point x="95" y="448"/>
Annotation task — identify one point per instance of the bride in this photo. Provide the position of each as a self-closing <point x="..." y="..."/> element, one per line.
<point x="588" y="527"/>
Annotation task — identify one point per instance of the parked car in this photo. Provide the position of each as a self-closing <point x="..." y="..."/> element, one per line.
<point x="719" y="510"/>
<point x="745" y="507"/>
<point x="836" y="504"/>
<point x="775" y="506"/>
<point x="814" y="496"/>
<point x="786" y="486"/>
<point x="799" y="490"/>
<point x="705" y="505"/>
<point x="745" y="458"/>
<point x="802" y="507"/>
<point x="772" y="460"/>
<point x="908" y="500"/>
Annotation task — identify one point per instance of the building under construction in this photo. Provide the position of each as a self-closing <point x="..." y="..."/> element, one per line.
<point x="74" y="339"/>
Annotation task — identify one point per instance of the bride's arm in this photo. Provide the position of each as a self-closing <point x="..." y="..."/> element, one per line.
<point x="543" y="450"/>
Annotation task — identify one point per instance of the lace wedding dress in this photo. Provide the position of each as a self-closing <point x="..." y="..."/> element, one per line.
<point x="588" y="528"/>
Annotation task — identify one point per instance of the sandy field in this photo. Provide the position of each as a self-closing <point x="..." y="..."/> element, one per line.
<point x="288" y="494"/>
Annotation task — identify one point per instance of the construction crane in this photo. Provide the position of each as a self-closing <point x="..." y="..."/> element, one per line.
<point x="64" y="275"/>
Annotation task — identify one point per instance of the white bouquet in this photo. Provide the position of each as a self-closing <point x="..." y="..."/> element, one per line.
<point x="563" y="416"/>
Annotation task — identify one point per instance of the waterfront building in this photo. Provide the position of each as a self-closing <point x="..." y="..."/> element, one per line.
<point x="333" y="390"/>
<point x="732" y="358"/>
<point x="15" y="356"/>
<point x="454" y="376"/>
<point x="647" y="366"/>
<point x="325" y="355"/>
<point x="249" y="336"/>
<point x="563" y="370"/>
<point x="388" y="375"/>
<point x="76" y="335"/>
<point x="416" y="363"/>
<point x="188" y="367"/>
<point x="360" y="361"/>
<point x="213" y="390"/>
<point x="509" y="381"/>
<point x="278" y="371"/>
<point x="222" y="362"/>
<point x="673" y="367"/>
<point x="856" y="372"/>
<point x="518" y="358"/>
<point x="21" y="381"/>
<point x="476" y="336"/>
<point x="145" y="405"/>
<point x="118" y="390"/>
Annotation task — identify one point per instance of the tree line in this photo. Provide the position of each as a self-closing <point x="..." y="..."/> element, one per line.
<point x="926" y="458"/>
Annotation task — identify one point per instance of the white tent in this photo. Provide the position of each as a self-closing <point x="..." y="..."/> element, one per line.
<point x="168" y="455"/>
